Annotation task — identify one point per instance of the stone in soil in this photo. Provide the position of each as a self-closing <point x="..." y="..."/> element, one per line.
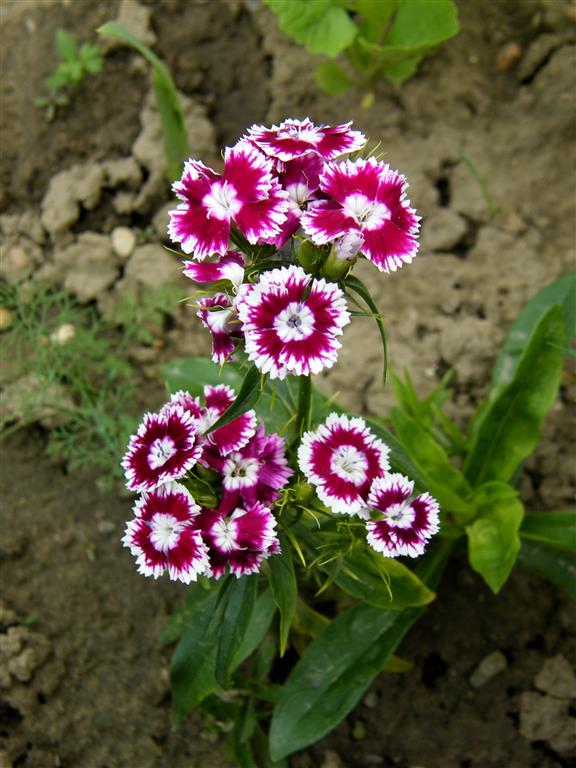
<point x="489" y="667"/>
<point x="556" y="677"/>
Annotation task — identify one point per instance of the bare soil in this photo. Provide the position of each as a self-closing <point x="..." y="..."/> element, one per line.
<point x="91" y="687"/>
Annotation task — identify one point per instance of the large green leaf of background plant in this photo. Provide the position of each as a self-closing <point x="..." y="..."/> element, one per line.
<point x="323" y="26"/>
<point x="510" y="429"/>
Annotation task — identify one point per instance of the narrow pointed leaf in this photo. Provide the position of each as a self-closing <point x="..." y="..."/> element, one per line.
<point x="236" y="613"/>
<point x="556" y="566"/>
<point x="510" y="429"/>
<point x="245" y="400"/>
<point x="284" y="589"/>
<point x="553" y="529"/>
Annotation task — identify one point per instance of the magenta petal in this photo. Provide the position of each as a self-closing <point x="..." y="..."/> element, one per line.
<point x="263" y="219"/>
<point x="197" y="232"/>
<point x="236" y="434"/>
<point x="324" y="224"/>
<point x="229" y="267"/>
<point x="248" y="171"/>
<point x="389" y="247"/>
<point x="339" y="139"/>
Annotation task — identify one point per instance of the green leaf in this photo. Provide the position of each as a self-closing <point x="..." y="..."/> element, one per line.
<point x="182" y="618"/>
<point x="66" y="45"/>
<point x="379" y="581"/>
<point x="493" y="540"/>
<point x="561" y="291"/>
<point x="247" y="397"/>
<point x="556" y="566"/>
<point x="332" y="78"/>
<point x="175" y="138"/>
<point x="191" y="673"/>
<point x="399" y="71"/>
<point x="420" y="24"/>
<point x="194" y="373"/>
<point x="338" y="666"/>
<point x="284" y="589"/>
<point x="444" y="481"/>
<point x="376" y="15"/>
<point x="323" y="26"/>
<point x="553" y="529"/>
<point x="356" y="285"/>
<point x="237" y="604"/>
<point x="510" y="429"/>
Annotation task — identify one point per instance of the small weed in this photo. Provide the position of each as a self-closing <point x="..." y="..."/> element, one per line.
<point x="64" y="366"/>
<point x="75" y="63"/>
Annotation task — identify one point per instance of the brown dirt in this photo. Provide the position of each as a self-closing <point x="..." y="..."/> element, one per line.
<point x="97" y="692"/>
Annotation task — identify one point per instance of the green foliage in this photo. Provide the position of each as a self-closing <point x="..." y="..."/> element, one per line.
<point x="284" y="590"/>
<point x="75" y="63"/>
<point x="63" y="365"/>
<point x="381" y="38"/>
<point x="175" y="138"/>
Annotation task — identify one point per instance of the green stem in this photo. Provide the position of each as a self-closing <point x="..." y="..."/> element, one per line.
<point x="304" y="405"/>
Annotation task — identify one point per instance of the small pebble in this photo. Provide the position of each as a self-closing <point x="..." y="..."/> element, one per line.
<point x="488" y="668"/>
<point x="63" y="334"/>
<point x="19" y="258"/>
<point x="508" y="55"/>
<point x="123" y="241"/>
<point x="557" y="678"/>
<point x="6" y="319"/>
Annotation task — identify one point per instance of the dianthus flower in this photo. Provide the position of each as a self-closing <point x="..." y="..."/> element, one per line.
<point x="292" y="138"/>
<point x="291" y="322"/>
<point x="164" y="448"/>
<point x="342" y="458"/>
<point x="246" y="194"/>
<point x="217" y="399"/>
<point x="404" y="525"/>
<point x="253" y="474"/>
<point x="368" y="200"/>
<point x="239" y="541"/>
<point x="163" y="535"/>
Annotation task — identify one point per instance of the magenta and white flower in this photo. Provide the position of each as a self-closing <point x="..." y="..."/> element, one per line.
<point x="163" y="535"/>
<point x="218" y="315"/>
<point x="256" y="473"/>
<point x="246" y="194"/>
<point x="404" y="524"/>
<point x="292" y="138"/>
<point x="291" y="322"/>
<point x="367" y="199"/>
<point x="230" y="267"/>
<point x="342" y="458"/>
<point x="239" y="541"/>
<point x="164" y="448"/>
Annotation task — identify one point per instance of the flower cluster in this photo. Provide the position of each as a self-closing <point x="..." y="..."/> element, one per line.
<point x="174" y="449"/>
<point x="349" y="467"/>
<point x="289" y="182"/>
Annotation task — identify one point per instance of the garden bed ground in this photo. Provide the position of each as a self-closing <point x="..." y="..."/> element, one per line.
<point x="88" y="684"/>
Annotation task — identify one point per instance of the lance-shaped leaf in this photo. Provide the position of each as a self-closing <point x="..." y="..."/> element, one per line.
<point x="510" y="429"/>
<point x="493" y="539"/>
<point x="339" y="665"/>
<point x="173" y="128"/>
<point x="284" y="589"/>
<point x="356" y="285"/>
<point x="247" y="397"/>
<point x="552" y="529"/>
<point x="237" y="605"/>
<point x="561" y="291"/>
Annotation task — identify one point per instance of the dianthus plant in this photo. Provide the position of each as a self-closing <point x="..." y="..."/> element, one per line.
<point x="293" y="522"/>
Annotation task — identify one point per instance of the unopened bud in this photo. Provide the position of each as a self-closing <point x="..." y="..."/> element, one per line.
<point x="349" y="245"/>
<point x="311" y="256"/>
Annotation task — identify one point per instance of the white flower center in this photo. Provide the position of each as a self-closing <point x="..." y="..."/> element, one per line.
<point x="369" y="214"/>
<point x="309" y="133"/>
<point x="162" y="449"/>
<point x="225" y="533"/>
<point x="294" y="323"/>
<point x="298" y="195"/>
<point x="165" y="531"/>
<point x="349" y="464"/>
<point x="222" y="201"/>
<point x="400" y="515"/>
<point x="240" y="472"/>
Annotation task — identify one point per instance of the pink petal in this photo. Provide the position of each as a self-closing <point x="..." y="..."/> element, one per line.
<point x="197" y="232"/>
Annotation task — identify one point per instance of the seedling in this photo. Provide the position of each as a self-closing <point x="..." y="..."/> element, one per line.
<point x="75" y="63"/>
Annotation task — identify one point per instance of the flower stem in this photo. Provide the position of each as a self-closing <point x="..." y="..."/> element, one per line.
<point x="304" y="405"/>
